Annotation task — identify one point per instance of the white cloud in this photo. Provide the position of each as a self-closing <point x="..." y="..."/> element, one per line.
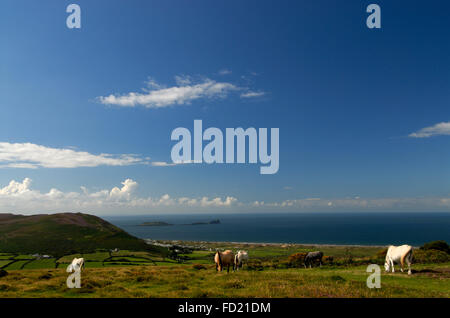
<point x="205" y="201"/>
<point x="224" y="72"/>
<point x="171" y="164"/>
<point x="252" y="94"/>
<point x="129" y="186"/>
<point x="360" y="204"/>
<point x="185" y="92"/>
<point x="28" y="155"/>
<point x="183" y="80"/>
<point x="15" y="188"/>
<point x="165" y="164"/>
<point x="162" y="164"/>
<point x="152" y="83"/>
<point x="436" y="130"/>
<point x="19" y="197"/>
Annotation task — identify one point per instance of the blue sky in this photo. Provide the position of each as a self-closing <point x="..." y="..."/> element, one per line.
<point x="351" y="104"/>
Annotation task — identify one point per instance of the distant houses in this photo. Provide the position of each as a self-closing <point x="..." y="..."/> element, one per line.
<point x="39" y="256"/>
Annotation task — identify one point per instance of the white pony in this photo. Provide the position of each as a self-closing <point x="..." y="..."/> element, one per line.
<point x="398" y="254"/>
<point x="76" y="266"/>
<point x="240" y="258"/>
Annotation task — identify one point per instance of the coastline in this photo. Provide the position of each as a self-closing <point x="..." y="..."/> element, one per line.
<point x="273" y="244"/>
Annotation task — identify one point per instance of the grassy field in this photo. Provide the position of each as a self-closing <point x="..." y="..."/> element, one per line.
<point x="142" y="274"/>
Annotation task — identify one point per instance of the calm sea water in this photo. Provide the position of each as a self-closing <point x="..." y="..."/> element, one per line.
<point x="318" y="228"/>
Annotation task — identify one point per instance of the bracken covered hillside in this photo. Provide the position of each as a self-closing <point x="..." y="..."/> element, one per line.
<point x="63" y="233"/>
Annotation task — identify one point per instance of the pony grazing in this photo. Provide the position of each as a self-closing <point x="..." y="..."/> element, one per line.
<point x="313" y="256"/>
<point x="398" y="254"/>
<point x="224" y="259"/>
<point x="240" y="258"/>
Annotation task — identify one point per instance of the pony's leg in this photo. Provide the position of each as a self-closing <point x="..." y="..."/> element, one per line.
<point x="392" y="265"/>
<point x="408" y="260"/>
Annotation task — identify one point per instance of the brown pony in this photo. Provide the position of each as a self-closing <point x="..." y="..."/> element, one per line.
<point x="223" y="259"/>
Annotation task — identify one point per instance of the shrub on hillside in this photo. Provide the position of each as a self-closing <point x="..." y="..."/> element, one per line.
<point x="430" y="256"/>
<point x="198" y="266"/>
<point x="437" y="245"/>
<point x="297" y="260"/>
<point x="381" y="254"/>
<point x="281" y="264"/>
<point x="255" y="265"/>
<point x="275" y="263"/>
<point x="328" y="260"/>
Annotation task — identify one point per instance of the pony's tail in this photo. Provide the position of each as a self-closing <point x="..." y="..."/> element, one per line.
<point x="402" y="260"/>
<point x="220" y="259"/>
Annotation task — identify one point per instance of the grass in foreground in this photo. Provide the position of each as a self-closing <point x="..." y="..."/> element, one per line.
<point x="144" y="274"/>
<point x="185" y="281"/>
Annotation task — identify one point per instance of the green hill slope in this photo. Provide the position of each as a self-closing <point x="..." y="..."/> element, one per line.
<point x="64" y="233"/>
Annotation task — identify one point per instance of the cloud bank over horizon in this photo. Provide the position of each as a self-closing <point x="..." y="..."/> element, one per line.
<point x="20" y="197"/>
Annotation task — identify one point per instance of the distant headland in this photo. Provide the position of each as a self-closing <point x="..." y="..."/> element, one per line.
<point x="203" y="223"/>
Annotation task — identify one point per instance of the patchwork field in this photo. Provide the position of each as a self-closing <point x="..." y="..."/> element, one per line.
<point x="270" y="273"/>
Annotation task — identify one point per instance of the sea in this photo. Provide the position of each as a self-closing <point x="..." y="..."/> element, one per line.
<point x="308" y="228"/>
